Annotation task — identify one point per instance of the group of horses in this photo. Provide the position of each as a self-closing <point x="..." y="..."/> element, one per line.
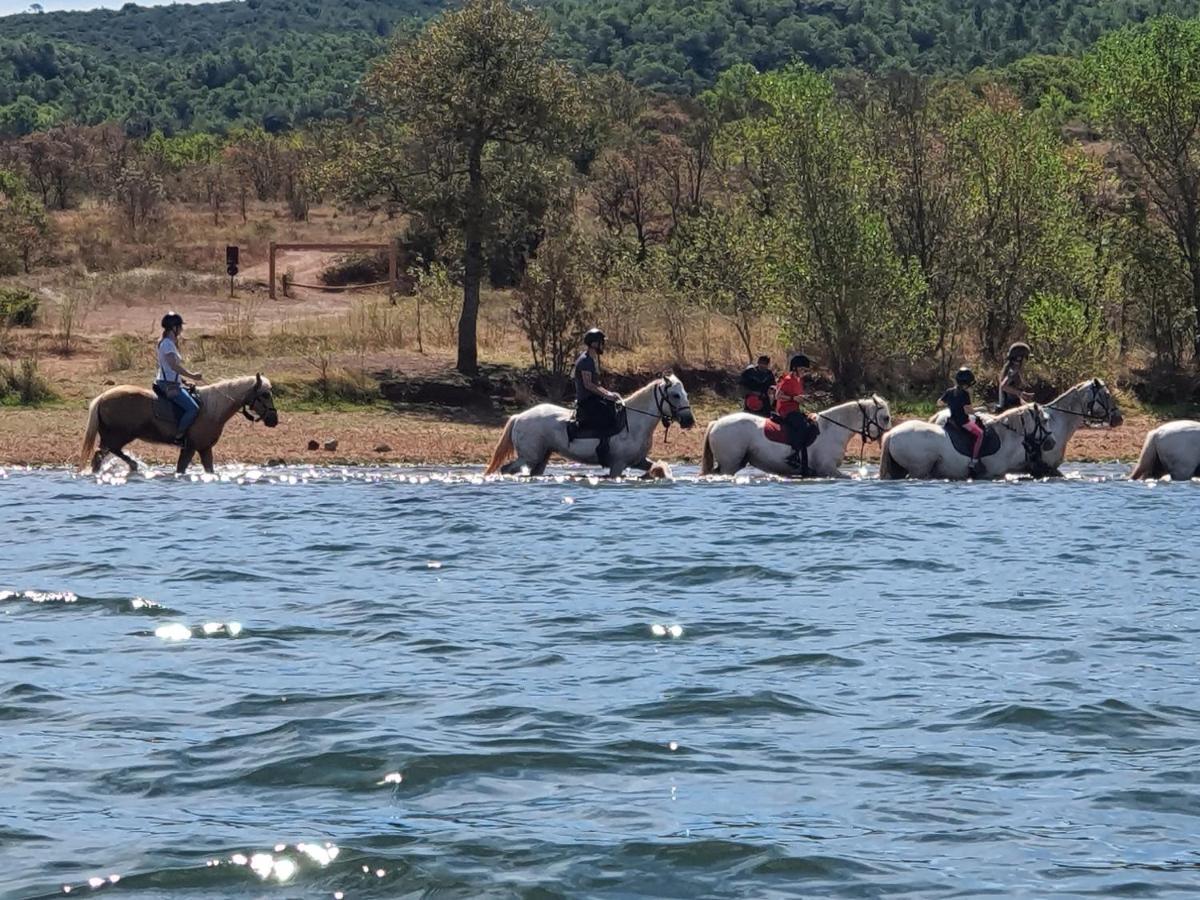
<point x="1031" y="438"/>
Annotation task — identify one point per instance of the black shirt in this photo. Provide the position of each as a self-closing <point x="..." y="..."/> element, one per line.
<point x="957" y="399"/>
<point x="756" y="381"/>
<point x="585" y="363"/>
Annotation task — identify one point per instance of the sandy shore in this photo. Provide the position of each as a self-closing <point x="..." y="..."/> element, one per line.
<point x="53" y="435"/>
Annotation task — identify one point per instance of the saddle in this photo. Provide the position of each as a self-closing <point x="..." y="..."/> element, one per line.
<point x="775" y="431"/>
<point x="166" y="411"/>
<point x="576" y="432"/>
<point x="962" y="440"/>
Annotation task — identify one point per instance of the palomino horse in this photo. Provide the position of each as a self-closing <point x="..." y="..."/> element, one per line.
<point x="1088" y="401"/>
<point x="533" y="435"/>
<point x="1172" y="449"/>
<point x="126" y="413"/>
<point x="924" y="450"/>
<point x="741" y="439"/>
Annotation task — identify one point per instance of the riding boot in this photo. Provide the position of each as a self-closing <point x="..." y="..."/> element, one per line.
<point x="804" y="469"/>
<point x="794" y="459"/>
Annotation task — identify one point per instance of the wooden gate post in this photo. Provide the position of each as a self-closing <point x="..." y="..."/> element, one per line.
<point x="392" y="273"/>
<point x="271" y="270"/>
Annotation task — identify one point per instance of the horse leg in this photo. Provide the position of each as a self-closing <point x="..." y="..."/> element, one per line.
<point x="206" y="459"/>
<point x="185" y="459"/>
<point x="120" y="454"/>
<point x="97" y="460"/>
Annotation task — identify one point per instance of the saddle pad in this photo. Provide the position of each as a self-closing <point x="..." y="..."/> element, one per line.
<point x="774" y="431"/>
<point x="963" y="441"/>
<point x="575" y="433"/>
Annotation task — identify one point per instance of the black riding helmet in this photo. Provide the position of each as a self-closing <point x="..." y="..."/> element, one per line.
<point x="964" y="376"/>
<point x="799" y="361"/>
<point x="594" y="336"/>
<point x="172" y="320"/>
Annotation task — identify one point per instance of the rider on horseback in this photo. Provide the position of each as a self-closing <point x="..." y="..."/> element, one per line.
<point x="170" y="368"/>
<point x="758" y="384"/>
<point x="595" y="406"/>
<point x="958" y="401"/>
<point x="1012" y="386"/>
<point x="788" y="394"/>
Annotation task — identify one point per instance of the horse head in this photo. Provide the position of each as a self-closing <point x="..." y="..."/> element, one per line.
<point x="1038" y="433"/>
<point x="673" y="401"/>
<point x="259" y="405"/>
<point x="1101" y="405"/>
<point x="881" y="419"/>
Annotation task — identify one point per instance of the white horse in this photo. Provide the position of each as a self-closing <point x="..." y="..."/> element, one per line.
<point x="1088" y="401"/>
<point x="1172" y="449"/>
<point x="923" y="450"/>
<point x="532" y="436"/>
<point x="740" y="439"/>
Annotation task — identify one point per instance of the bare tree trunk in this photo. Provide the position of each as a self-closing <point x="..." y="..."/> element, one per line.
<point x="468" y="350"/>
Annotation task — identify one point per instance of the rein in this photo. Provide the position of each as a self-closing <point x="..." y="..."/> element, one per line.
<point x="1088" y="413"/>
<point x="662" y="403"/>
<point x="245" y="403"/>
<point x="864" y="432"/>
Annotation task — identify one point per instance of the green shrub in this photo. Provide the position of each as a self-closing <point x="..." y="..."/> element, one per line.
<point x="122" y="353"/>
<point x="18" y="307"/>
<point x="1069" y="344"/>
<point x="23" y="384"/>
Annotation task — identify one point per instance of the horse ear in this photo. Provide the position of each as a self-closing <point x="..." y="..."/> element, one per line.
<point x="258" y="382"/>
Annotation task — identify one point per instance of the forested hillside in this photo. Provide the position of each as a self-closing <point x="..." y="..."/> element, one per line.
<point x="280" y="62"/>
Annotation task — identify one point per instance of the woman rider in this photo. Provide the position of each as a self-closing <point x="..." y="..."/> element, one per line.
<point x="788" y="394"/>
<point x="170" y="368"/>
<point x="1012" y="385"/>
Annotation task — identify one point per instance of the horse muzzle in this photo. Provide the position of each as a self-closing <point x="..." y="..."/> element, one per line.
<point x="1116" y="420"/>
<point x="687" y="420"/>
<point x="271" y="419"/>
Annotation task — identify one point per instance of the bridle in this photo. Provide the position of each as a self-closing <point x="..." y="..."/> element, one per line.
<point x="1095" y="399"/>
<point x="247" y="402"/>
<point x="665" y="409"/>
<point x="1033" y="440"/>
<point x="869" y="420"/>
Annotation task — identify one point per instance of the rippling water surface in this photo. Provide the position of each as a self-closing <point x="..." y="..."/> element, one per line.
<point x="383" y="683"/>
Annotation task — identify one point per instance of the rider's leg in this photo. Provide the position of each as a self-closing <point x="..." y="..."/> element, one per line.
<point x="976" y="432"/>
<point x="191" y="409"/>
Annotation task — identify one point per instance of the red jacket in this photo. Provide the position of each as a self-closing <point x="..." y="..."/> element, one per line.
<point x="792" y="385"/>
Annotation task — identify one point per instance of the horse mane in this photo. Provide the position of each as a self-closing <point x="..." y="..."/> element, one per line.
<point x="652" y="384"/>
<point x="1082" y="386"/>
<point x="1010" y="415"/>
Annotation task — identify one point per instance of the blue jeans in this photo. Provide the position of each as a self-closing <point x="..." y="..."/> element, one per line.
<point x="185" y="401"/>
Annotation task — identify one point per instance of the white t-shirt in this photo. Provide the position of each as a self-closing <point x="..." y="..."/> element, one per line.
<point x="165" y="371"/>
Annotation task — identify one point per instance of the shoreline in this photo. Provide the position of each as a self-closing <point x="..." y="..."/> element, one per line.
<point x="52" y="437"/>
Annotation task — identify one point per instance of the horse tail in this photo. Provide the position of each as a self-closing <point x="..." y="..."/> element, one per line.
<point x="888" y="467"/>
<point x="89" y="437"/>
<point x="707" y="464"/>
<point x="504" y="449"/>
<point x="1149" y="464"/>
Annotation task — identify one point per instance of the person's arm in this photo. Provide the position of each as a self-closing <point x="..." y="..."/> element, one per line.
<point x="1022" y="396"/>
<point x="589" y="384"/>
<point x="177" y="365"/>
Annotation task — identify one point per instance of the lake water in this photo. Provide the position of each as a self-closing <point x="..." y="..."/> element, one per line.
<point x="384" y="683"/>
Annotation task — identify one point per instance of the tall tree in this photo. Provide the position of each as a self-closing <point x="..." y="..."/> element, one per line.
<point x="1147" y="88"/>
<point x="475" y="82"/>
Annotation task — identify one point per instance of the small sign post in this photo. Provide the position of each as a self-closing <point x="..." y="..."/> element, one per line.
<point x="231" y="264"/>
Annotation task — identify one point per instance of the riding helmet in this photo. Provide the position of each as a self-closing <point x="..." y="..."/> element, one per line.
<point x="1019" y="350"/>
<point x="172" y="320"/>
<point x="799" y="361"/>
<point x="964" y="376"/>
<point x="594" y="336"/>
